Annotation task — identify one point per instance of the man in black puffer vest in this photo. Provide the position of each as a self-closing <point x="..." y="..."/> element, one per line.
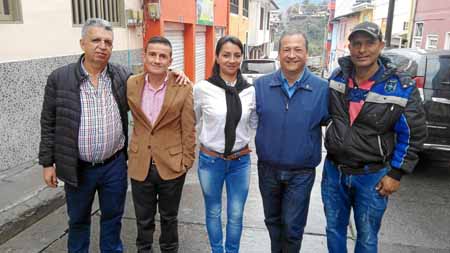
<point x="84" y="135"/>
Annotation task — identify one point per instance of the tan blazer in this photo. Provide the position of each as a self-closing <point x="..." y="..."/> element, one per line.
<point x="170" y="142"/>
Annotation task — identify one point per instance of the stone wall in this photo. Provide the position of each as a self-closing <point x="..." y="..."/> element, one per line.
<point x="21" y="92"/>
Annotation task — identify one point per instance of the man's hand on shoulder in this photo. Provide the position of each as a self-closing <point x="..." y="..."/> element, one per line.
<point x="50" y="176"/>
<point x="181" y="77"/>
<point x="387" y="186"/>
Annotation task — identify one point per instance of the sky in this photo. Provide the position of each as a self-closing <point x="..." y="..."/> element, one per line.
<point x="284" y="4"/>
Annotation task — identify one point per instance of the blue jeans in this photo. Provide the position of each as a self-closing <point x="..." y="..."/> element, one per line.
<point x="340" y="193"/>
<point x="213" y="172"/>
<point x="285" y="195"/>
<point x="110" y="181"/>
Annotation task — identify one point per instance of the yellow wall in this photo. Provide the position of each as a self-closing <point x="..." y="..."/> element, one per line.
<point x="366" y="15"/>
<point x="239" y="27"/>
<point x="239" y="24"/>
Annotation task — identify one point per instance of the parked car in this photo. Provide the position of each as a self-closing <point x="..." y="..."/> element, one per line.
<point x="254" y="68"/>
<point x="431" y="71"/>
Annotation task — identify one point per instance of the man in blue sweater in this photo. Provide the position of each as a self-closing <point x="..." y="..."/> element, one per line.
<point x="291" y="104"/>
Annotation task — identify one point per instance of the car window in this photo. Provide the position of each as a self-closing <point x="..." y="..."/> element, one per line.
<point x="412" y="61"/>
<point x="404" y="63"/>
<point x="438" y="73"/>
<point x="258" y="67"/>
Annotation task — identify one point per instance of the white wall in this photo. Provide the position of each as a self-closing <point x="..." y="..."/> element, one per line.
<point x="401" y="13"/>
<point x="343" y="7"/>
<point x="255" y="35"/>
<point x="47" y="31"/>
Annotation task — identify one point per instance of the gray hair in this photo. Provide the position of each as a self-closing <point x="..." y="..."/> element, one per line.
<point x="290" y="33"/>
<point x="95" y="22"/>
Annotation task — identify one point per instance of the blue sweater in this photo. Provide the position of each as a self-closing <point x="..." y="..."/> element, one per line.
<point x="289" y="131"/>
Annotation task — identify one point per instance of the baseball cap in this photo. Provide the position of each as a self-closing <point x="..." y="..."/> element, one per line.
<point x="368" y="27"/>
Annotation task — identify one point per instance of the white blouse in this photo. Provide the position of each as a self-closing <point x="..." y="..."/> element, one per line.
<point x="210" y="108"/>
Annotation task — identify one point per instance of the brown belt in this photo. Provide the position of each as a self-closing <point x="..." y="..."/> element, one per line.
<point x="245" y="150"/>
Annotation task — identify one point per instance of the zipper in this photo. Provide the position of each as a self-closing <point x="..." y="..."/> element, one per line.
<point x="380" y="146"/>
<point x="328" y="126"/>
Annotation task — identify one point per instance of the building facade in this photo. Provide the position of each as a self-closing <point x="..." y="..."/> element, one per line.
<point x="345" y="18"/>
<point x="349" y="13"/>
<point x="329" y="38"/>
<point x="431" y="25"/>
<point x="260" y="38"/>
<point x="239" y="19"/>
<point x="192" y="30"/>
<point x="401" y="23"/>
<point x="38" y="37"/>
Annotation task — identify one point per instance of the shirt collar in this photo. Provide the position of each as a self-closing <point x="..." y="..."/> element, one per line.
<point x="297" y="82"/>
<point x="301" y="82"/>
<point x="85" y="72"/>
<point x="233" y="83"/>
<point x="148" y="86"/>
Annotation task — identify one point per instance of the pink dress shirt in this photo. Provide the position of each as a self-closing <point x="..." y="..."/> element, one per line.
<point x="152" y="99"/>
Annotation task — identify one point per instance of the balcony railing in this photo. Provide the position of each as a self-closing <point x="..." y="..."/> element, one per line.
<point x="361" y="5"/>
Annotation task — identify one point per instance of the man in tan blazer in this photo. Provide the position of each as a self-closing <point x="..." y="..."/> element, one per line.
<point x="162" y="146"/>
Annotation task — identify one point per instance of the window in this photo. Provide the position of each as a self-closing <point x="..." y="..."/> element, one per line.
<point x="268" y="20"/>
<point x="447" y="41"/>
<point x="432" y="41"/>
<point x="405" y="26"/>
<point x="438" y="70"/>
<point x="234" y="6"/>
<point x="245" y="9"/>
<point x="10" y="11"/>
<point x="416" y="43"/>
<point x="261" y="19"/>
<point x="111" y="10"/>
<point x="418" y="30"/>
<point x="258" y="67"/>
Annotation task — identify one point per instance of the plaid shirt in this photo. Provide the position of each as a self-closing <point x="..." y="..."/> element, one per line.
<point x="101" y="133"/>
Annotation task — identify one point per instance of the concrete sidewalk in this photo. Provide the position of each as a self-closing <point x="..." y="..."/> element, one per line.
<point x="25" y="199"/>
<point x="50" y="233"/>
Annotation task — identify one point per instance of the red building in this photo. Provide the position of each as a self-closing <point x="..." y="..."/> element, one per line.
<point x="192" y="26"/>
<point x="431" y="24"/>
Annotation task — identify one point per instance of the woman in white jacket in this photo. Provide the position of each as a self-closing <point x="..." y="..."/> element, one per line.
<point x="224" y="105"/>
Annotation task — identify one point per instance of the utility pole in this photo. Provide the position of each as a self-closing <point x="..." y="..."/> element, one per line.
<point x="390" y="21"/>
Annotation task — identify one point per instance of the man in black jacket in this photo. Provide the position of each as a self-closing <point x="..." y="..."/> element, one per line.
<point x="84" y="135"/>
<point x="376" y="130"/>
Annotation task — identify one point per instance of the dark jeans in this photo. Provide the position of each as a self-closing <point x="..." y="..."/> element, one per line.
<point x="285" y="195"/>
<point x="110" y="181"/>
<point x="147" y="195"/>
<point x="340" y="193"/>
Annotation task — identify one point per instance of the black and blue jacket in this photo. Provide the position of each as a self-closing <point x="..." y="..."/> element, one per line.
<point x="390" y="129"/>
<point x="289" y="132"/>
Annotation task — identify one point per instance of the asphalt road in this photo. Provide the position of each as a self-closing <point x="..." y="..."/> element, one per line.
<point x="417" y="220"/>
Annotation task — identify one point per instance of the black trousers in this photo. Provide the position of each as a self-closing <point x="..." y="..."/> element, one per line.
<point x="166" y="194"/>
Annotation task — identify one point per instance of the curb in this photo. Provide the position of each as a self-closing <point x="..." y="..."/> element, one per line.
<point x="27" y="211"/>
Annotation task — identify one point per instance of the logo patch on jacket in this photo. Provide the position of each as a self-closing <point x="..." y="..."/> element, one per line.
<point x="390" y="86"/>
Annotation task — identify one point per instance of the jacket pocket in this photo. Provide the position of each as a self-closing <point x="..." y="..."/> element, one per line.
<point x="175" y="158"/>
